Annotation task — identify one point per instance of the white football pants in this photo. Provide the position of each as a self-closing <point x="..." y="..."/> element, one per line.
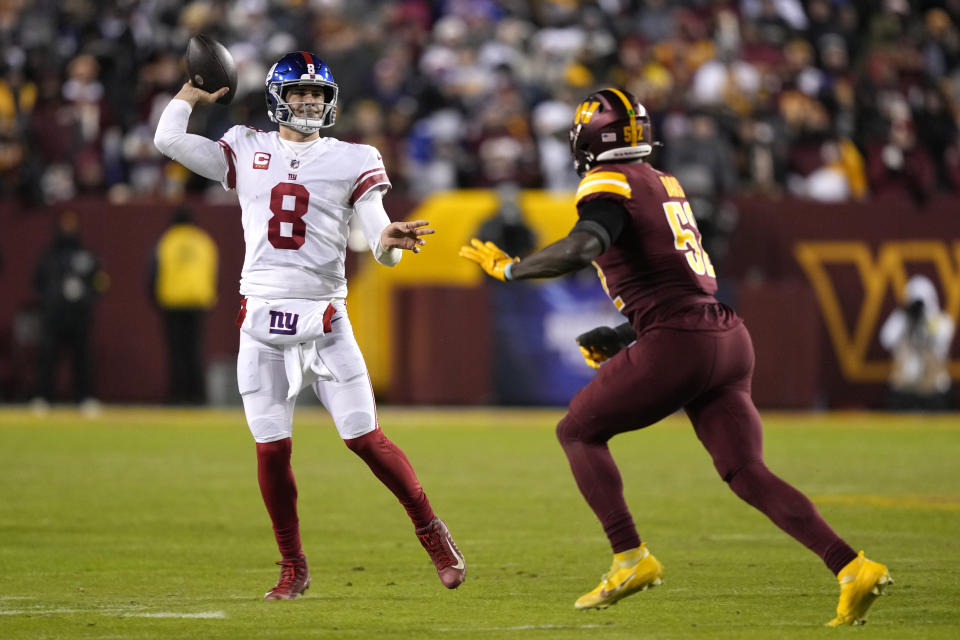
<point x="263" y="385"/>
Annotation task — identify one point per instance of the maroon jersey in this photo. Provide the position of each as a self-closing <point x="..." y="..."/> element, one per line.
<point x="656" y="271"/>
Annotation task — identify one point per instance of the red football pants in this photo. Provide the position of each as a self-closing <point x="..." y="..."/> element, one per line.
<point x="708" y="374"/>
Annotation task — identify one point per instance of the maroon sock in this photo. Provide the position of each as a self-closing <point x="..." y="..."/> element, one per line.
<point x="392" y="468"/>
<point x="791" y="511"/>
<point x="838" y="555"/>
<point x="279" y="491"/>
<point x="599" y="481"/>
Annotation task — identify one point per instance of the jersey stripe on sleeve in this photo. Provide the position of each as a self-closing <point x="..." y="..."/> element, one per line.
<point x="368" y="180"/>
<point x="604" y="182"/>
<point x="231" y="164"/>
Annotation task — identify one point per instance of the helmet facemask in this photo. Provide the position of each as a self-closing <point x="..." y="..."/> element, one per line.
<point x="284" y="112"/>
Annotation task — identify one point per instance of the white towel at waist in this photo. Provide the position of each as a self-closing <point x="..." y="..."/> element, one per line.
<point x="296" y="326"/>
<point x="304" y="366"/>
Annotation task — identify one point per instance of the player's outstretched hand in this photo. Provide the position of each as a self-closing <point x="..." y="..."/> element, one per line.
<point x="195" y="96"/>
<point x="489" y="256"/>
<point x="405" y="235"/>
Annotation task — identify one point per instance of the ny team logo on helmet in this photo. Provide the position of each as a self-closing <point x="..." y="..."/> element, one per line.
<point x="300" y="68"/>
<point x="609" y="126"/>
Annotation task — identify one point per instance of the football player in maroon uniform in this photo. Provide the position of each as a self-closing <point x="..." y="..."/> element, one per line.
<point x="681" y="349"/>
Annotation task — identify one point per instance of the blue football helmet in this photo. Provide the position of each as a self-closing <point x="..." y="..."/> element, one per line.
<point x="300" y="68"/>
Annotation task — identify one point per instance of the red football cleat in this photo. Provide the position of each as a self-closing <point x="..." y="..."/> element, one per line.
<point x="294" y="580"/>
<point x="436" y="539"/>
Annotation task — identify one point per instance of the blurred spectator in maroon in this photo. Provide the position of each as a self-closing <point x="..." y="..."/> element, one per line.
<point x="68" y="126"/>
<point x="83" y="95"/>
<point x="901" y="166"/>
<point x="754" y="50"/>
<point x="409" y="22"/>
<point x="936" y="131"/>
<point x="53" y="132"/>
<point x="808" y="125"/>
<point x="159" y="79"/>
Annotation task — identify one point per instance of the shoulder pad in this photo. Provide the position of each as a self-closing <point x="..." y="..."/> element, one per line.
<point x="598" y="181"/>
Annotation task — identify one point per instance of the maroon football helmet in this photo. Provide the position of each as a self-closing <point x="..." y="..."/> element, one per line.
<point x="610" y="125"/>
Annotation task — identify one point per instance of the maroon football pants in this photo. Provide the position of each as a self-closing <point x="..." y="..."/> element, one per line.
<point x="706" y="373"/>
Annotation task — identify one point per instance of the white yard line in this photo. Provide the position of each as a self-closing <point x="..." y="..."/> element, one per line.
<point x="39" y="612"/>
<point x="129" y="612"/>
<point x="530" y="627"/>
<point x="206" y="615"/>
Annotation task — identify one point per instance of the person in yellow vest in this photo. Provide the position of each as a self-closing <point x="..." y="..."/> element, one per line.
<point x="184" y="286"/>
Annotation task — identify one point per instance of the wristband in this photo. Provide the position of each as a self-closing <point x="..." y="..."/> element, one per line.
<point x="506" y="271"/>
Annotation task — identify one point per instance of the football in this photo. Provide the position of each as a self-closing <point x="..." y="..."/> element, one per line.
<point x="211" y="66"/>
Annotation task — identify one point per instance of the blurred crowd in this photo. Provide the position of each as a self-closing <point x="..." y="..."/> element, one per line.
<point x="825" y="99"/>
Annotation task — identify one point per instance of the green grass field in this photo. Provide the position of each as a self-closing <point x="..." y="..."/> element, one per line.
<point x="146" y="523"/>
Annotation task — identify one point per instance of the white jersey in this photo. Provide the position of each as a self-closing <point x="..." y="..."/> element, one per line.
<point x="296" y="201"/>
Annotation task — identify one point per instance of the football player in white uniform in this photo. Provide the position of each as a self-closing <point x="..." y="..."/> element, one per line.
<point x="297" y="193"/>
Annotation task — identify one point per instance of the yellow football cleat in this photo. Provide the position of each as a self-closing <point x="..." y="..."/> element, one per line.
<point x="861" y="581"/>
<point x="632" y="571"/>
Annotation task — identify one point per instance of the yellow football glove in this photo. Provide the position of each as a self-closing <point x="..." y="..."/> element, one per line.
<point x="593" y="356"/>
<point x="489" y="256"/>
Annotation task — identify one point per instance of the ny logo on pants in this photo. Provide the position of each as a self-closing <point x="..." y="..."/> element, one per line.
<point x="284" y="323"/>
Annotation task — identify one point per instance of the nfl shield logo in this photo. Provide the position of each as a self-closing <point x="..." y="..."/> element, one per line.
<point x="294" y="164"/>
